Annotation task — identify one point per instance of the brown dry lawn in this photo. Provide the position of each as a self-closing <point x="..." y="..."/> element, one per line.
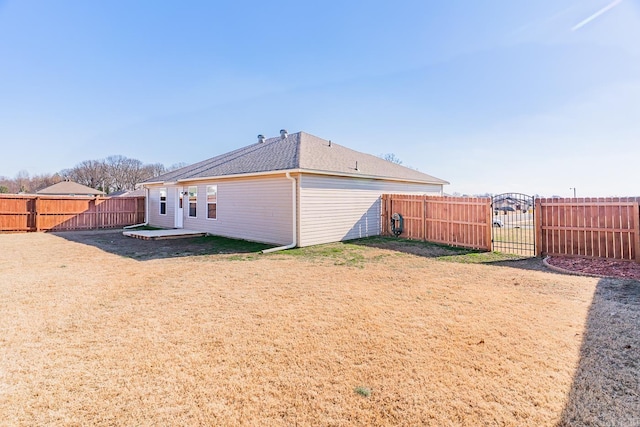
<point x="98" y="329"/>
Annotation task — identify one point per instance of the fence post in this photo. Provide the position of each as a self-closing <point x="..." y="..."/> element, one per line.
<point x="537" y="224"/>
<point x="636" y="231"/>
<point x="489" y="228"/>
<point x="424" y="217"/>
<point x="99" y="215"/>
<point x="383" y="210"/>
<point x="36" y="212"/>
<point x="95" y="212"/>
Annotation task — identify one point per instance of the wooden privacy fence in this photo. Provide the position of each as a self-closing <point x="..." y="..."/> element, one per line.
<point x="589" y="227"/>
<point x="457" y="221"/>
<point x="62" y="213"/>
<point x="582" y="227"/>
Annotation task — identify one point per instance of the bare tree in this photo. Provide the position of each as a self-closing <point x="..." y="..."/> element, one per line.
<point x="88" y="172"/>
<point x="117" y="170"/>
<point x="390" y="157"/>
<point x="8" y="184"/>
<point x="38" y="182"/>
<point x="125" y="173"/>
<point x="153" y="170"/>
<point x="22" y="181"/>
<point x="111" y="174"/>
<point x="176" y="166"/>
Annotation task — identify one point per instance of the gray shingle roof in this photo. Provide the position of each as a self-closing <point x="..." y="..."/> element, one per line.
<point x="128" y="193"/>
<point x="298" y="151"/>
<point x="69" y="188"/>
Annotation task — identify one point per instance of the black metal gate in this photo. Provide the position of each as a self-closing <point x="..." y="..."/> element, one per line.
<point x="513" y="224"/>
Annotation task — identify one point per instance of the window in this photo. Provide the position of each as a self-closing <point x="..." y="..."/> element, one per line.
<point x="212" y="201"/>
<point x="193" y="199"/>
<point x="163" y="201"/>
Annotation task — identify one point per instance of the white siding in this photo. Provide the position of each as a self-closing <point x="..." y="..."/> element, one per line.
<point x="252" y="209"/>
<point x="155" y="219"/>
<point x="333" y="209"/>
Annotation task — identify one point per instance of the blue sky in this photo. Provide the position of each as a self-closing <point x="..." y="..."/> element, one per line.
<point x="493" y="96"/>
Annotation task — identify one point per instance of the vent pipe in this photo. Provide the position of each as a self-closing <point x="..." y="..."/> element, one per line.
<point x="283" y="134"/>
<point x="261" y="139"/>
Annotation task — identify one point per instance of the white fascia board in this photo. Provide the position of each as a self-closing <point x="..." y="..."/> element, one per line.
<point x="309" y="171"/>
<point x="377" y="177"/>
<point x="145" y="184"/>
<point x="239" y="175"/>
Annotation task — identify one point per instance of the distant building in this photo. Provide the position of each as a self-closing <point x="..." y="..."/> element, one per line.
<point x="128" y="193"/>
<point x="69" y="188"/>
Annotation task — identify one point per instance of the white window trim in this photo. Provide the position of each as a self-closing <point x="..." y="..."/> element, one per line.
<point x="166" y="196"/>
<point x="189" y="201"/>
<point x="207" y="201"/>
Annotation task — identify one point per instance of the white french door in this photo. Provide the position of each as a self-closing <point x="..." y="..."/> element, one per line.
<point x="179" y="213"/>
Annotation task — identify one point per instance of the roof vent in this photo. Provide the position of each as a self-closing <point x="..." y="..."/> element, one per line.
<point x="283" y="134"/>
<point x="261" y="139"/>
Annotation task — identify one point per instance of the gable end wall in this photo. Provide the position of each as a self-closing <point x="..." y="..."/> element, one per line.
<point x="334" y="209"/>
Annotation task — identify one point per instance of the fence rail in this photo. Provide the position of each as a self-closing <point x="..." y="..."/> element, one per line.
<point x="589" y="227"/>
<point x="582" y="227"/>
<point x="457" y="221"/>
<point x="61" y="213"/>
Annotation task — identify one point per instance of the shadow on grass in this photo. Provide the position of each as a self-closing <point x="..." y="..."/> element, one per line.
<point x="113" y="241"/>
<point x="452" y="254"/>
<point x="606" y="384"/>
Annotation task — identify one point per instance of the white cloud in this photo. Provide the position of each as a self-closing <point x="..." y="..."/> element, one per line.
<point x="596" y="15"/>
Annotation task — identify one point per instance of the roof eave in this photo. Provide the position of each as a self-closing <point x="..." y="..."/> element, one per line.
<point x="436" y="181"/>
<point x="209" y="178"/>
<point x="309" y="171"/>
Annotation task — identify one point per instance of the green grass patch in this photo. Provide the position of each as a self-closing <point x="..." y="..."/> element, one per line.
<point x="363" y="391"/>
<point x="359" y="252"/>
<point x="225" y="245"/>
<point x="514" y="235"/>
<point x="438" y="251"/>
<point x="243" y="257"/>
<point x="480" y="257"/>
<point x="144" y="227"/>
<point x="342" y="253"/>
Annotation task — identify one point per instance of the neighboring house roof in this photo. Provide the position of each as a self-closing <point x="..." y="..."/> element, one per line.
<point x="69" y="188"/>
<point x="128" y="193"/>
<point x="299" y="151"/>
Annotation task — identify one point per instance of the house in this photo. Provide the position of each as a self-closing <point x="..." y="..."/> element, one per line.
<point x="128" y="193"/>
<point x="295" y="190"/>
<point x="69" y="188"/>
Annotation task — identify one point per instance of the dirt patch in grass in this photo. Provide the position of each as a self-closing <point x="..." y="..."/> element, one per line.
<point x="336" y="335"/>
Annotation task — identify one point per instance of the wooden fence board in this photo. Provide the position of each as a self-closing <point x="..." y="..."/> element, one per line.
<point x="589" y="227"/>
<point x="457" y="221"/>
<point x="581" y="227"/>
<point x="59" y="213"/>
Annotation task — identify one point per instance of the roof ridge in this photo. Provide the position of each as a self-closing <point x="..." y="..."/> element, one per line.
<point x="299" y="150"/>
<point x="298" y="159"/>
